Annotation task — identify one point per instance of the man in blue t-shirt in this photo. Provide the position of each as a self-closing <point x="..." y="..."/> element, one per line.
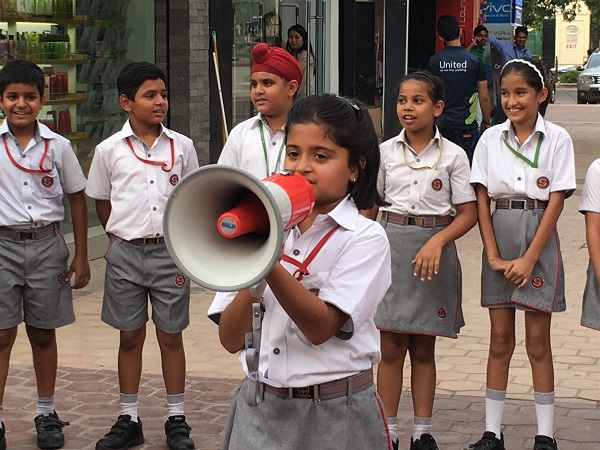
<point x="464" y="77"/>
<point x="504" y="51"/>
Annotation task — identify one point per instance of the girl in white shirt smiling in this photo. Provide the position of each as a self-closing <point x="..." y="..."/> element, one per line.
<point x="319" y="341"/>
<point x="526" y="165"/>
<point x="425" y="180"/>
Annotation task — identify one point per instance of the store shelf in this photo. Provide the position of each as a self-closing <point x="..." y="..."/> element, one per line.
<point x="28" y="18"/>
<point x="70" y="99"/>
<point x="74" y="59"/>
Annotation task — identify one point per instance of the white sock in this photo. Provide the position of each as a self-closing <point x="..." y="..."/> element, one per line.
<point x="175" y="403"/>
<point x="421" y="425"/>
<point x="129" y="405"/>
<point x="45" y="405"/>
<point x="392" y="424"/>
<point x="544" y="411"/>
<point x="494" y="408"/>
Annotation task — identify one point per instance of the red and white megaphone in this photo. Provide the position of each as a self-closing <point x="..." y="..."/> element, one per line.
<point x="224" y="227"/>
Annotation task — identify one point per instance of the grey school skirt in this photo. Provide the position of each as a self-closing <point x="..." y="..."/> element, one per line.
<point x="590" y="313"/>
<point x="305" y="424"/>
<point x="545" y="291"/>
<point x="412" y="306"/>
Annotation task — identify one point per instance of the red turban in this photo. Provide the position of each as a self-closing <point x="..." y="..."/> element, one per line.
<point x="277" y="61"/>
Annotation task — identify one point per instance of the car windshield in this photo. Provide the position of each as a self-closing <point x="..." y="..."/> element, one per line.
<point x="594" y="61"/>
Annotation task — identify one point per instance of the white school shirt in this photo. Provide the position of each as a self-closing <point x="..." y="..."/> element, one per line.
<point x="506" y="175"/>
<point x="35" y="199"/>
<point x="425" y="192"/>
<point x="244" y="148"/>
<point x="590" y="195"/>
<point x="138" y="191"/>
<point x="351" y="271"/>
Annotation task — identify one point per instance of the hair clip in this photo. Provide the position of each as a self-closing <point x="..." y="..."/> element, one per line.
<point x="350" y="102"/>
<point x="527" y="63"/>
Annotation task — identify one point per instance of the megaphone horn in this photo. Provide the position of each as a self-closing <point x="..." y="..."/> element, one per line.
<point x="224" y="227"/>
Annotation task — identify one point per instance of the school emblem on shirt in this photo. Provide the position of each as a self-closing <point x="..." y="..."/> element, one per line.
<point x="173" y="179"/>
<point x="180" y="280"/>
<point x="441" y="313"/>
<point x="61" y="278"/>
<point x="437" y="184"/>
<point x="314" y="291"/>
<point x="537" y="282"/>
<point x="47" y="181"/>
<point x="543" y="182"/>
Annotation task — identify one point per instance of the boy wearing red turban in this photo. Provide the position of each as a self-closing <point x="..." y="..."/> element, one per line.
<point x="257" y="144"/>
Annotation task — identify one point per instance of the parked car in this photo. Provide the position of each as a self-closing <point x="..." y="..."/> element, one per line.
<point x="588" y="82"/>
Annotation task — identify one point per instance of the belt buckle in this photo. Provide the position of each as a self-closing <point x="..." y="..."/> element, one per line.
<point x="517" y="204"/>
<point x="303" y="392"/>
<point x="415" y="220"/>
<point x="25" y="235"/>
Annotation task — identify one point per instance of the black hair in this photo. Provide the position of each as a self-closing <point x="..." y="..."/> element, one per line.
<point x="530" y="75"/>
<point x="478" y="29"/>
<point x="302" y="32"/>
<point x="521" y="29"/>
<point x="135" y="74"/>
<point x="349" y="125"/>
<point x="435" y="85"/>
<point x="21" y="71"/>
<point x="448" y="28"/>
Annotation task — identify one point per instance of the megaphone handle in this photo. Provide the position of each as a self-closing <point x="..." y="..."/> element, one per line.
<point x="258" y="289"/>
<point x="253" y="353"/>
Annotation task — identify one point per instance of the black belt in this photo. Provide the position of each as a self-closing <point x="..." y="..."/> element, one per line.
<point x="148" y="241"/>
<point x="520" y="203"/>
<point x="25" y="235"/>
<point x="419" y="221"/>
<point x="326" y="391"/>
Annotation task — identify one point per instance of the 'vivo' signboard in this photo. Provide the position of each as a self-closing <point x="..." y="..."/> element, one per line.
<point x="504" y="11"/>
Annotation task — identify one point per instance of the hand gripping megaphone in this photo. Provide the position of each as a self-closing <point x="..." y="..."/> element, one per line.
<point x="224" y="227"/>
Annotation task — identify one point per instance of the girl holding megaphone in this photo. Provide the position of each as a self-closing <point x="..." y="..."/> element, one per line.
<point x="319" y="341"/>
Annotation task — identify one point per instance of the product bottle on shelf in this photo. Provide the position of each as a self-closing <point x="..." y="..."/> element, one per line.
<point x="12" y="47"/>
<point x="3" y="47"/>
<point x="48" y="12"/>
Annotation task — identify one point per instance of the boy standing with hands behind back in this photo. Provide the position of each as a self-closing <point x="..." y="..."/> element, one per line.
<point x="37" y="166"/>
<point x="131" y="176"/>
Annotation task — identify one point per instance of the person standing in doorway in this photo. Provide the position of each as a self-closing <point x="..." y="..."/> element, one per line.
<point x="299" y="47"/>
<point x="464" y="79"/>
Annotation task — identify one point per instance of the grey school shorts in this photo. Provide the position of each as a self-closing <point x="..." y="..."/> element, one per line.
<point x="33" y="287"/>
<point x="135" y="273"/>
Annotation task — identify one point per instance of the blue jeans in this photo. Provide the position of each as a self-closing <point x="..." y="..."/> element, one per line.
<point x="466" y="138"/>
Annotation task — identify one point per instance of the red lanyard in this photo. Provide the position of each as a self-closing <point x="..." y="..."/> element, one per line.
<point x="25" y="169"/>
<point x="303" y="266"/>
<point x="164" y="166"/>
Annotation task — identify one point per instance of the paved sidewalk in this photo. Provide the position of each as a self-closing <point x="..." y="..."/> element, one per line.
<point x="87" y="393"/>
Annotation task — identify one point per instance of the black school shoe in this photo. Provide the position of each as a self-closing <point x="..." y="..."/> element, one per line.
<point x="425" y="442"/>
<point x="489" y="441"/>
<point x="49" y="430"/>
<point x="394" y="444"/>
<point x="124" y="433"/>
<point x="544" y="443"/>
<point x="3" y="437"/>
<point x="178" y="434"/>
